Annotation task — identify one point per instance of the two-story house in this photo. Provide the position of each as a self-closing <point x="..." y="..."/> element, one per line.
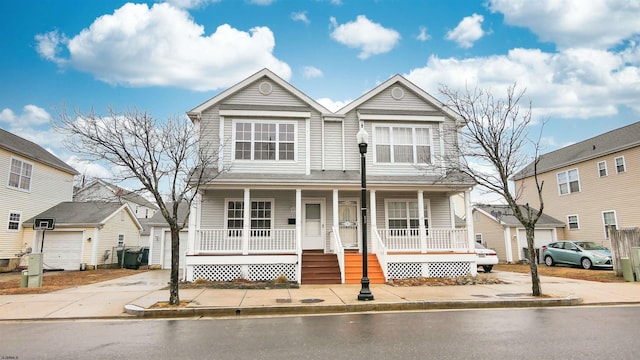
<point x="35" y="180"/>
<point x="100" y="190"/>
<point x="288" y="183"/>
<point x="592" y="185"/>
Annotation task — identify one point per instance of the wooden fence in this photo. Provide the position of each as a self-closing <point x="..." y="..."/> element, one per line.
<point x="622" y="242"/>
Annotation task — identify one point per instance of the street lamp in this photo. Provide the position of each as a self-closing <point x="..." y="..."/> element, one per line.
<point x="363" y="139"/>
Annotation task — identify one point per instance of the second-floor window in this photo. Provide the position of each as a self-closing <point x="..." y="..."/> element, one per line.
<point x="620" y="164"/>
<point x="408" y="145"/>
<point x="20" y="174"/>
<point x="602" y="168"/>
<point x="568" y="182"/>
<point x="264" y="140"/>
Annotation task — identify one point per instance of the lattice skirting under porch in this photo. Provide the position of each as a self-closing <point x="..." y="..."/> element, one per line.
<point x="398" y="270"/>
<point x="254" y="272"/>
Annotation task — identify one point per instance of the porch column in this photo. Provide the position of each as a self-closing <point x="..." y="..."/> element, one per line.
<point x="246" y="220"/>
<point x="469" y="219"/>
<point x="372" y="220"/>
<point x="421" y="229"/>
<point x="193" y="245"/>
<point x="336" y="215"/>
<point x="299" y="219"/>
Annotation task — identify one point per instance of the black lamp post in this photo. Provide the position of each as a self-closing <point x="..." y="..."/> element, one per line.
<point x="363" y="140"/>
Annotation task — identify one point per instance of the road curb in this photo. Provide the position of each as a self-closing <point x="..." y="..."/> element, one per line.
<point x="207" y="311"/>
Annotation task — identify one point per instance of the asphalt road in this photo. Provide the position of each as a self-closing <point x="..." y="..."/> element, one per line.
<point x="542" y="333"/>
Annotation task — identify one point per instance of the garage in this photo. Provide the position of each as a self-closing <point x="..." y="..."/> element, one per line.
<point x="62" y="249"/>
<point x="166" y="262"/>
<point x="541" y="237"/>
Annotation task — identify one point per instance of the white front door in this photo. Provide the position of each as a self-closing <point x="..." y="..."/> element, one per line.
<point x="313" y="224"/>
<point x="348" y="223"/>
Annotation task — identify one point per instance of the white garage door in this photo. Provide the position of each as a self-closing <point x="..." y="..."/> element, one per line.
<point x="62" y="249"/>
<point x="166" y="262"/>
<point x="541" y="237"/>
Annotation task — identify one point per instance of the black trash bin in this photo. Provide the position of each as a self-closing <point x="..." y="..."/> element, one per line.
<point x="145" y="256"/>
<point x="132" y="258"/>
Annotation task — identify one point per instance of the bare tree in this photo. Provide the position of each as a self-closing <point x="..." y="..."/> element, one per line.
<point x="494" y="145"/>
<point x="164" y="158"/>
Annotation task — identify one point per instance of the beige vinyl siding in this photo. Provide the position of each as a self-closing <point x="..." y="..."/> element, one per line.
<point x="615" y="192"/>
<point x="108" y="237"/>
<point x="332" y="145"/>
<point x="49" y="186"/>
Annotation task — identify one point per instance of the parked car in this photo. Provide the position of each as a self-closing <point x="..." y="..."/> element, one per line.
<point x="485" y="257"/>
<point x="587" y="254"/>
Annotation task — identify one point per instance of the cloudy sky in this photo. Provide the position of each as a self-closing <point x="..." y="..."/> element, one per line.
<point x="578" y="60"/>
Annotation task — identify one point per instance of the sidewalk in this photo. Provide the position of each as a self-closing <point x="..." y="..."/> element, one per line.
<point x="132" y="297"/>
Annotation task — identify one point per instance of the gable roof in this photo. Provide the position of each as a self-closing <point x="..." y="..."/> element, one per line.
<point x="93" y="213"/>
<point x="194" y="113"/>
<point x="158" y="220"/>
<point x="119" y="192"/>
<point x="406" y="83"/>
<point x="23" y="147"/>
<point x="504" y="215"/>
<point x="608" y="143"/>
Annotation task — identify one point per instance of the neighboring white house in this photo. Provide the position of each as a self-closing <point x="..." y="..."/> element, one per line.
<point x="34" y="180"/>
<point x="85" y="233"/>
<point x="159" y="242"/>
<point x="100" y="190"/>
<point x="288" y="182"/>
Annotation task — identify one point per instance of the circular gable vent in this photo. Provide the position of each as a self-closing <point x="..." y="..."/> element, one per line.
<point x="397" y="93"/>
<point x="265" y="88"/>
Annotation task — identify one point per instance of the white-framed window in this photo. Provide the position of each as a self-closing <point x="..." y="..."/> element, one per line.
<point x="20" y="174"/>
<point x="264" y="140"/>
<point x="14" y="221"/>
<point x="402" y="144"/>
<point x="602" y="168"/>
<point x="261" y="216"/>
<point x="402" y="215"/>
<point x="120" y="240"/>
<point x="568" y="182"/>
<point x="479" y="238"/>
<point x="620" y="167"/>
<point x="572" y="220"/>
<point x="610" y="222"/>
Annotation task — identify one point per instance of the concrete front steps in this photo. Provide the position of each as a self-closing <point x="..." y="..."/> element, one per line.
<point x="319" y="268"/>
<point x="353" y="269"/>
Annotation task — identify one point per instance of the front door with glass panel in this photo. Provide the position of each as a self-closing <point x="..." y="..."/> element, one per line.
<point x="313" y="224"/>
<point x="348" y="223"/>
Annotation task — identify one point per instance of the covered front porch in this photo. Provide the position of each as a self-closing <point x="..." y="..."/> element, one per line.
<point x="411" y="233"/>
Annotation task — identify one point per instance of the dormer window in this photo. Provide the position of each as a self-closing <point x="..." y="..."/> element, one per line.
<point x="264" y="140"/>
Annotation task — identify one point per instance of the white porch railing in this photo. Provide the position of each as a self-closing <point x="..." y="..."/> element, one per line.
<point x="338" y="250"/>
<point x="381" y="253"/>
<point x="435" y="239"/>
<point x="231" y="241"/>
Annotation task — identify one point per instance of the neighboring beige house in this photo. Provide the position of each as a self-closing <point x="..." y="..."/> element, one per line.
<point x="85" y="233"/>
<point x="287" y="185"/>
<point x="592" y="185"/>
<point x="497" y="228"/>
<point x="34" y="180"/>
<point x="100" y="190"/>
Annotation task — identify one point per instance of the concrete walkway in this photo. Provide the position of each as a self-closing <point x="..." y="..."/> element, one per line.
<point x="132" y="297"/>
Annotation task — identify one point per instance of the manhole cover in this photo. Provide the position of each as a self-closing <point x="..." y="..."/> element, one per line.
<point x="311" y="301"/>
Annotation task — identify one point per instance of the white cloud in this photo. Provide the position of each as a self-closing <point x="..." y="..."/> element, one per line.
<point x="190" y="4"/>
<point x="468" y="31"/>
<point x="336" y="2"/>
<point x="300" y="16"/>
<point x="31" y="115"/>
<point x="574" y="23"/>
<point x="261" y="2"/>
<point x="90" y="169"/>
<point x="333" y="105"/>
<point x="423" y="36"/>
<point x="163" y="46"/>
<point x="311" y="72"/>
<point x="371" y="38"/>
<point x="575" y="83"/>
<point x="48" y="45"/>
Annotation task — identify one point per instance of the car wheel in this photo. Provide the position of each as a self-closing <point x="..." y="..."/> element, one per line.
<point x="548" y="260"/>
<point x="487" y="268"/>
<point x="586" y="263"/>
